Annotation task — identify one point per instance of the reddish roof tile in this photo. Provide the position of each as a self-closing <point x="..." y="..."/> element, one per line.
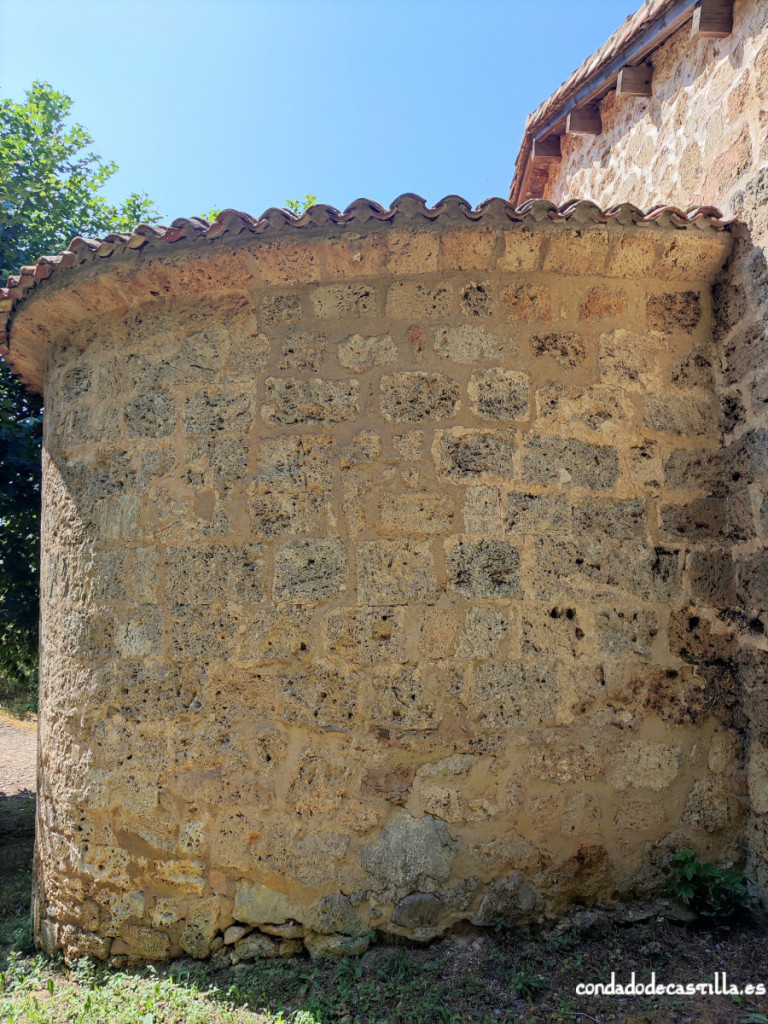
<point x="407" y="210"/>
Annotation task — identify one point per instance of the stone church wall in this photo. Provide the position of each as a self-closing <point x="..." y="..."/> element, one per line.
<point x="703" y="139"/>
<point x="370" y="560"/>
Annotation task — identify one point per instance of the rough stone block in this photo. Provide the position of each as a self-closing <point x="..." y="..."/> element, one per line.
<point x="555" y="459"/>
<point x="484" y="630"/>
<point x="150" y="414"/>
<point x="274" y="635"/>
<point x="674" y="311"/>
<point x="684" y="413"/>
<point x="536" y="514"/>
<point x="417" y="396"/>
<point x="509" y="899"/>
<point x="412" y="300"/>
<point x="296" y="463"/>
<point x="219" y="411"/>
<point x="513" y="694"/>
<point x="484" y="568"/>
<point x="577" y="252"/>
<point x="340" y="301"/>
<point x="702" y="519"/>
<point x="417" y="910"/>
<point x="307" y="571"/>
<point x="367" y="635"/>
<point x="499" y="394"/>
<point x="467" y="455"/>
<point x="334" y="914"/>
<point x="303" y="350"/>
<point x="711" y="578"/>
<point x="437" y="638"/>
<point x="608" y="517"/>
<point x="549" y="632"/>
<point x="601" y="303"/>
<point x="416" y="513"/>
<point x="278" y="513"/>
<point x="623" y="631"/>
<point x="528" y="302"/>
<point x="412" y="252"/>
<point x="394" y="572"/>
<point x="360" y="353"/>
<point x="408" y="850"/>
<point x="629" y="360"/>
<point x="257" y="904"/>
<point x="475" y="300"/>
<point x="201" y="925"/>
<point x="469" y="343"/>
<point x="644" y="764"/>
<point x="597" y="567"/>
<point x="482" y="510"/>
<point x="280" y="309"/>
<point x="566" y="347"/>
<point x="522" y="249"/>
<point x="291" y="400"/>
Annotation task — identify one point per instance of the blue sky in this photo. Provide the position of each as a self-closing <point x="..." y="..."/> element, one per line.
<point x="244" y="103"/>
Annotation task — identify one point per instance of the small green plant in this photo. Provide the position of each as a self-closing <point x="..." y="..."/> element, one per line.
<point x="526" y="984"/>
<point x="299" y="206"/>
<point x="707" y="889"/>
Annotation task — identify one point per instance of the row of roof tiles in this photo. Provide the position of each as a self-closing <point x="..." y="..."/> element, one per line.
<point x="408" y="209"/>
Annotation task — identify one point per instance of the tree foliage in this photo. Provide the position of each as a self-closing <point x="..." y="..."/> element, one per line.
<point x="50" y="191"/>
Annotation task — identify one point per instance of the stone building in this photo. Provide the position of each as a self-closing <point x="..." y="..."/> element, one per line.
<point x="699" y="136"/>
<point x="402" y="567"/>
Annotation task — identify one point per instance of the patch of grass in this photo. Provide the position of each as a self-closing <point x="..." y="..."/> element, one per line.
<point x="18" y="701"/>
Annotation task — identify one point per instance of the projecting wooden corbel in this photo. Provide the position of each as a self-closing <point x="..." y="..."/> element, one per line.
<point x="635" y="81"/>
<point x="584" y="121"/>
<point x="713" y="19"/>
<point x="546" y="150"/>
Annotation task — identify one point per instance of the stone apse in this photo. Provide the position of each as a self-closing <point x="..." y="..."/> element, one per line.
<point x="379" y="552"/>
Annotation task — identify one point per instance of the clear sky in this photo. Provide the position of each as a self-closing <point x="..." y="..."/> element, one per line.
<point x="244" y="103"/>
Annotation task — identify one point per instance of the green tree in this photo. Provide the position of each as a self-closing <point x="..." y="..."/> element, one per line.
<point x="50" y="191"/>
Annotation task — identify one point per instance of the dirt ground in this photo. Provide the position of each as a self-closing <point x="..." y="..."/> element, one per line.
<point x="18" y="757"/>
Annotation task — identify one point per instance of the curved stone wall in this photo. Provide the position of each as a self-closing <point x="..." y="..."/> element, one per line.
<point x="368" y="551"/>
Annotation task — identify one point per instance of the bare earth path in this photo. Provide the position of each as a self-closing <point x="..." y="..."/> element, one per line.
<point x="18" y="757"/>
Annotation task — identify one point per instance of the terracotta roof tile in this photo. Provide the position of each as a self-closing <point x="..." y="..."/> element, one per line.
<point x="408" y="209"/>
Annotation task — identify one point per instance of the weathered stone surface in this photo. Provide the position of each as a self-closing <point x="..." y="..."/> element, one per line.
<point x="468" y="343"/>
<point x="548" y="459"/>
<point x="310" y="570"/>
<point x="256" y="904"/>
<point x="462" y="454"/>
<point x="334" y="914"/>
<point x="674" y="311"/>
<point x="418" y="396"/>
<point x="291" y="400"/>
<point x="565" y="347"/>
<point x="201" y="926"/>
<point x="509" y="899"/>
<point x="335" y="947"/>
<point x="409" y="849"/>
<point x="499" y="395"/>
<point x="375" y="576"/>
<point x="417" y="910"/>
<point x="395" y="572"/>
<point x="528" y="302"/>
<point x="536" y="513"/>
<point x="486" y="568"/>
<point x="359" y="353"/>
